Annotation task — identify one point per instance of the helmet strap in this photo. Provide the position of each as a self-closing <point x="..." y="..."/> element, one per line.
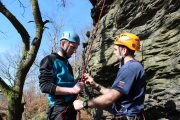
<point x="121" y="58"/>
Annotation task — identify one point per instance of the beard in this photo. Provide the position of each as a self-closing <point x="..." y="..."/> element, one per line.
<point x="65" y="55"/>
<point x="119" y="60"/>
<point x="68" y="56"/>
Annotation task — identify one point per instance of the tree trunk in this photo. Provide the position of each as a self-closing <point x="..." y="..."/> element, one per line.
<point x="14" y="94"/>
<point x="15" y="107"/>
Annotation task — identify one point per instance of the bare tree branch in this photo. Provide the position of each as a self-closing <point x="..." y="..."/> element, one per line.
<point x="27" y="61"/>
<point x="5" y="72"/>
<point x="36" y="64"/>
<point x="54" y="35"/>
<point x="21" y="5"/>
<point x="19" y="27"/>
<point x="61" y="3"/>
<point x="4" y="87"/>
<point x="38" y="35"/>
<point x="1" y="32"/>
<point x="39" y="24"/>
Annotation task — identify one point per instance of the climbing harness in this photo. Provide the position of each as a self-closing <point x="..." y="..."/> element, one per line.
<point x="89" y="51"/>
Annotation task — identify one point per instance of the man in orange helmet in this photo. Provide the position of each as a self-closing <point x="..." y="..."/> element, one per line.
<point x="128" y="90"/>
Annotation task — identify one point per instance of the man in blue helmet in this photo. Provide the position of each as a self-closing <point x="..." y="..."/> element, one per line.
<point x="56" y="79"/>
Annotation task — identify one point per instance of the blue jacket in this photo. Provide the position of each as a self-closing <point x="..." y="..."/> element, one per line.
<point x="56" y="71"/>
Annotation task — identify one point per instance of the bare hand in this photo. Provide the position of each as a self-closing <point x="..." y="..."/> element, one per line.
<point x="90" y="81"/>
<point x="78" y="87"/>
<point x="78" y="104"/>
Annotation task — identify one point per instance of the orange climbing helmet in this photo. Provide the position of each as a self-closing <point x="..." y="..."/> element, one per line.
<point x="129" y="40"/>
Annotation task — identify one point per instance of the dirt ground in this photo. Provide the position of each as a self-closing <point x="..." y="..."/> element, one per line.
<point x="84" y="115"/>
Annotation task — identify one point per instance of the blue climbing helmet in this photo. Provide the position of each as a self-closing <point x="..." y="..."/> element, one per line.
<point x="70" y="36"/>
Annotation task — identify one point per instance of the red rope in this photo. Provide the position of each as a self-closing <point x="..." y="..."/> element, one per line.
<point x="89" y="51"/>
<point x="93" y="38"/>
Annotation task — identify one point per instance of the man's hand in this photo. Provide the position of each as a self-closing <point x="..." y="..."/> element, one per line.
<point x="90" y="81"/>
<point x="78" y="104"/>
<point x="78" y="87"/>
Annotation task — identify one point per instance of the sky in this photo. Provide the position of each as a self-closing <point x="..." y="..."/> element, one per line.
<point x="75" y="16"/>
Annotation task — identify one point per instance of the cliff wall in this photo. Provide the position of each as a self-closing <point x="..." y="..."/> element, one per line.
<point x="157" y="22"/>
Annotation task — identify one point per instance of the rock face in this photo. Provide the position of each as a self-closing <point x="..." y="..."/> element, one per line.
<point x="157" y="22"/>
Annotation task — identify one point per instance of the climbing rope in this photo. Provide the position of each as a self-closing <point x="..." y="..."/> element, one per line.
<point x="93" y="38"/>
<point x="89" y="50"/>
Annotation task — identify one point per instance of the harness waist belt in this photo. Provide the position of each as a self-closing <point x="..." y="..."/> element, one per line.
<point x="136" y="117"/>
